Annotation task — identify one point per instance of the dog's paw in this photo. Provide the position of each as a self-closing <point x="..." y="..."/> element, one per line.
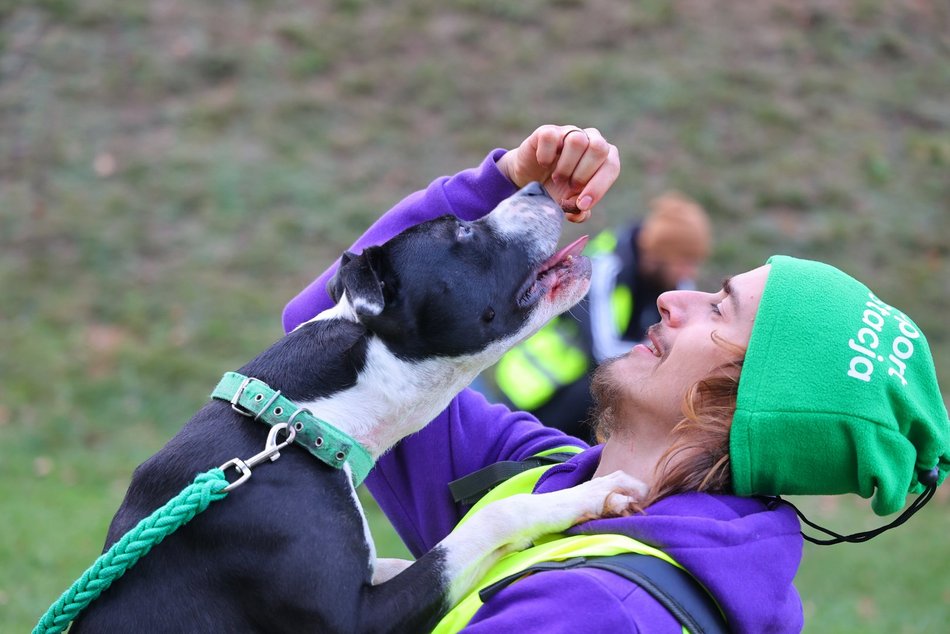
<point x="623" y="494"/>
<point x="612" y="495"/>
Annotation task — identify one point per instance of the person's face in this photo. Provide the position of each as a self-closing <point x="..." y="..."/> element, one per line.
<point x="652" y="379"/>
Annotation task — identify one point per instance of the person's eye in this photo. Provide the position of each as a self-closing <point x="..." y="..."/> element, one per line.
<point x="716" y="309"/>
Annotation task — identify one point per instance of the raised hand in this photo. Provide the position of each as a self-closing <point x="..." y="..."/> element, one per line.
<point x="577" y="166"/>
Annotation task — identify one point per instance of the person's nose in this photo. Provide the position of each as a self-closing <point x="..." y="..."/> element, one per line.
<point x="668" y="305"/>
<point x="676" y="306"/>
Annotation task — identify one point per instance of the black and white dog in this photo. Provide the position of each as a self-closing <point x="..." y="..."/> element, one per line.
<point x="416" y="320"/>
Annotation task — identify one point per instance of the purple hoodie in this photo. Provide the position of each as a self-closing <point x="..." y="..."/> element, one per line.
<point x="744" y="553"/>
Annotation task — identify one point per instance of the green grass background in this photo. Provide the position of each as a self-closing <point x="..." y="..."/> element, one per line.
<point x="172" y="172"/>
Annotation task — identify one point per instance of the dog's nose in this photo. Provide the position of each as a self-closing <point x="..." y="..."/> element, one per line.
<point x="534" y="189"/>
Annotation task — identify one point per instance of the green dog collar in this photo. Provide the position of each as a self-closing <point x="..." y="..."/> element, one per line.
<point x="254" y="398"/>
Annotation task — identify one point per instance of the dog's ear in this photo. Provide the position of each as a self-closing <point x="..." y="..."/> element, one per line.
<point x="359" y="277"/>
<point x="335" y="284"/>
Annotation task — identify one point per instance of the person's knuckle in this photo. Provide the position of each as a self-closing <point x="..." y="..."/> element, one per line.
<point x="576" y="141"/>
<point x="613" y="160"/>
<point x="599" y="147"/>
<point x="547" y="132"/>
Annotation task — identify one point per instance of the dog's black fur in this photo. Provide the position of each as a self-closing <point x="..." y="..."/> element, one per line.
<point x="283" y="552"/>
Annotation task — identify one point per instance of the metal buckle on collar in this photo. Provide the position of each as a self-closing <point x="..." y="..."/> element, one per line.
<point x="235" y="405"/>
<point x="271" y="452"/>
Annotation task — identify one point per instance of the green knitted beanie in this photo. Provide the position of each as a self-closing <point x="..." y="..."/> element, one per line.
<point x="838" y="394"/>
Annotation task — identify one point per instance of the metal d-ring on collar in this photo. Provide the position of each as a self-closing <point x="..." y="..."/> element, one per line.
<point x="255" y="399"/>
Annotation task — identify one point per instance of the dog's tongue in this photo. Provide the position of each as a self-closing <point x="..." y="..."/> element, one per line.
<point x="573" y="249"/>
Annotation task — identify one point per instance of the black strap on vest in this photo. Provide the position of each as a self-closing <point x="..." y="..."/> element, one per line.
<point x="674" y="588"/>
<point x="470" y="489"/>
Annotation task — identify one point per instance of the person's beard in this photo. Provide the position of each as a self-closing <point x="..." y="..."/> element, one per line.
<point x="608" y="395"/>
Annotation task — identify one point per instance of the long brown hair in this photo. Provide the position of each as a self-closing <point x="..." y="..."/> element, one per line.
<point x="698" y="457"/>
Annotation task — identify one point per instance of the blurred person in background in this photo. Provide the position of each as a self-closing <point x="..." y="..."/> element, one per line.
<point x="549" y="374"/>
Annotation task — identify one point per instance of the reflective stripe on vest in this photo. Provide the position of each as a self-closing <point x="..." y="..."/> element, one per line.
<point x="557" y="547"/>
<point x="604" y="242"/>
<point x="621" y="305"/>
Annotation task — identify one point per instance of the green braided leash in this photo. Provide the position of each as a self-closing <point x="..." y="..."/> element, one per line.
<point x="245" y="395"/>
<point x="208" y="487"/>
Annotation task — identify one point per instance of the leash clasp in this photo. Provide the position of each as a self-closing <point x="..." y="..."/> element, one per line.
<point x="271" y="452"/>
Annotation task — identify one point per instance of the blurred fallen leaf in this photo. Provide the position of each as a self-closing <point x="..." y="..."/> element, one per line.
<point x="103" y="342"/>
<point x="104" y="164"/>
<point x="43" y="466"/>
<point x="867" y="609"/>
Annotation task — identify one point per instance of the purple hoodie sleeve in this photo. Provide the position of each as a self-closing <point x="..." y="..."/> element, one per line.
<point x="410" y="482"/>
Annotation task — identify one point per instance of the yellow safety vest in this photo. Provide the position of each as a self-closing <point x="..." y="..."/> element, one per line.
<point x="557" y="547"/>
<point x="530" y="373"/>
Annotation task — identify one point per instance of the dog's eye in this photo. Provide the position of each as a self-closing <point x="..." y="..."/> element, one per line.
<point x="489" y="314"/>
<point x="464" y="231"/>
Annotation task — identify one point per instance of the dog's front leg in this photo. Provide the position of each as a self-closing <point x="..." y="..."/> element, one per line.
<point x="513" y="523"/>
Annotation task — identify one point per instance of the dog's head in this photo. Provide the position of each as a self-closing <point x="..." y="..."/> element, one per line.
<point x="451" y="288"/>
